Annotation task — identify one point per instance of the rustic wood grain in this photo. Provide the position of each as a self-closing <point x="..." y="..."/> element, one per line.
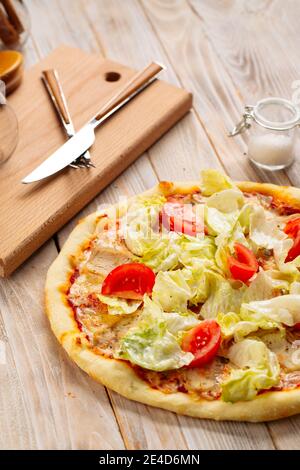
<point x="178" y="155"/>
<point x="258" y="52"/>
<point x="132" y="417"/>
<point x="217" y="103"/>
<point x="36" y="207"/>
<point x="56" y="415"/>
<point x="262" y="60"/>
<point x="217" y="65"/>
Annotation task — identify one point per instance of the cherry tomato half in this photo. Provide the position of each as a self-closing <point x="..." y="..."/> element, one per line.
<point x="292" y="229"/>
<point x="294" y="250"/>
<point x="203" y="341"/>
<point x="245" y="265"/>
<point x="129" y="281"/>
<point x="178" y="217"/>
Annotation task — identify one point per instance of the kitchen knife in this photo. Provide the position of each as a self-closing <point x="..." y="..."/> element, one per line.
<point x="53" y="86"/>
<point x="85" y="137"/>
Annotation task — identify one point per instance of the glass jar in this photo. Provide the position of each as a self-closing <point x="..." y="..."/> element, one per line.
<point x="272" y="126"/>
<point x="14" y="24"/>
<point x="8" y="131"/>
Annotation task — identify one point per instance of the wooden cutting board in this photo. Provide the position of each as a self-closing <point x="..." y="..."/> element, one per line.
<point x="30" y="214"/>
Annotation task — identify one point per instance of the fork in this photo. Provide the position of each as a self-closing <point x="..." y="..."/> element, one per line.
<point x="53" y="86"/>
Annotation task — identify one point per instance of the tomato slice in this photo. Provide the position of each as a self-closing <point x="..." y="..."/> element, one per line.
<point x="294" y="250"/>
<point x="245" y="265"/>
<point x="297" y="326"/>
<point x="292" y="229"/>
<point x="203" y="341"/>
<point x="179" y="217"/>
<point x="129" y="281"/>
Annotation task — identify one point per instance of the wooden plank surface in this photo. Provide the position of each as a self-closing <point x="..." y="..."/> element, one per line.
<point x="36" y="207"/>
<point x="269" y="71"/>
<point x="225" y="53"/>
<point x="181" y="154"/>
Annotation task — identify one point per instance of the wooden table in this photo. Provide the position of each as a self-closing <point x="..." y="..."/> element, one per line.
<point x="228" y="54"/>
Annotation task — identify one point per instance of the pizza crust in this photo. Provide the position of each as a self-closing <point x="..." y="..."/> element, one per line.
<point x="119" y="375"/>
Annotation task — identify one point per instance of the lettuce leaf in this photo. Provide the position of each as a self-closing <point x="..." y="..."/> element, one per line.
<point x="171" y="290"/>
<point x="288" y="353"/>
<point x="153" y="343"/>
<point x="213" y="181"/>
<point x="138" y="223"/>
<point x="225" y="298"/>
<point x="264" y="232"/>
<point x="161" y="253"/>
<point x="192" y="251"/>
<point x="232" y="325"/>
<point x="225" y="246"/>
<point x="174" y="289"/>
<point x="257" y="369"/>
<point x="228" y="200"/>
<point x="243" y="320"/>
<point x="219" y="222"/>
<point x="173" y="250"/>
<point x="282" y="309"/>
<point x="281" y="249"/>
<point x="118" y="306"/>
<point x="201" y="278"/>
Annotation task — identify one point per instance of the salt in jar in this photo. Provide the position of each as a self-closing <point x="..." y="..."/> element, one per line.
<point x="272" y="126"/>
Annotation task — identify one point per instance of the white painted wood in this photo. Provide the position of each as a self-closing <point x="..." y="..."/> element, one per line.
<point x="47" y="402"/>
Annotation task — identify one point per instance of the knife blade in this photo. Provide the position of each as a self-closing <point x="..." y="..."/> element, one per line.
<point x="53" y="86"/>
<point x="85" y="137"/>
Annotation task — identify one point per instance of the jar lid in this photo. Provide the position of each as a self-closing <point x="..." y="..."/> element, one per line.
<point x="271" y="113"/>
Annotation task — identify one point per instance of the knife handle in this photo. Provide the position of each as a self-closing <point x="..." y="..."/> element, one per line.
<point x="131" y="87"/>
<point x="52" y="83"/>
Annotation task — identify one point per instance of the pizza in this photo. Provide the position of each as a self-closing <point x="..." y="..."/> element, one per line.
<point x="187" y="297"/>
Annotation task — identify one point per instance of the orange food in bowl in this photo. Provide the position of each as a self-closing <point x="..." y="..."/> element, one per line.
<point x="11" y="69"/>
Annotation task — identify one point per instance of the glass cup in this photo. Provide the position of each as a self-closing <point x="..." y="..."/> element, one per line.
<point x="8" y="132"/>
<point x="15" y="24"/>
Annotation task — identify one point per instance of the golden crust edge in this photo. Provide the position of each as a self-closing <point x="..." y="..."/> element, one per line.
<point x="118" y="375"/>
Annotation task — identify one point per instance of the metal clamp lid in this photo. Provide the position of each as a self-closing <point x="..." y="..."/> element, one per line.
<point x="244" y="123"/>
<point x="254" y="113"/>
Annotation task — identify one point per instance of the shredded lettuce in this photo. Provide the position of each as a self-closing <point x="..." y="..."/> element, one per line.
<point x="118" y="306"/>
<point x="153" y="342"/>
<point x="194" y="270"/>
<point x="174" y="250"/>
<point x="257" y="369"/>
<point x="213" y="181"/>
<point x="219" y="222"/>
<point x="229" y="200"/>
<point x="225" y="298"/>
<point x="201" y="277"/>
<point x="174" y="289"/>
<point x="232" y="325"/>
<point x="282" y="309"/>
<point x="161" y="253"/>
<point x="241" y="319"/>
<point x="264" y="232"/>
<point x="281" y="249"/>
<point x="225" y="246"/>
<point x="139" y="221"/>
<point x="171" y="290"/>
<point x="193" y="250"/>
